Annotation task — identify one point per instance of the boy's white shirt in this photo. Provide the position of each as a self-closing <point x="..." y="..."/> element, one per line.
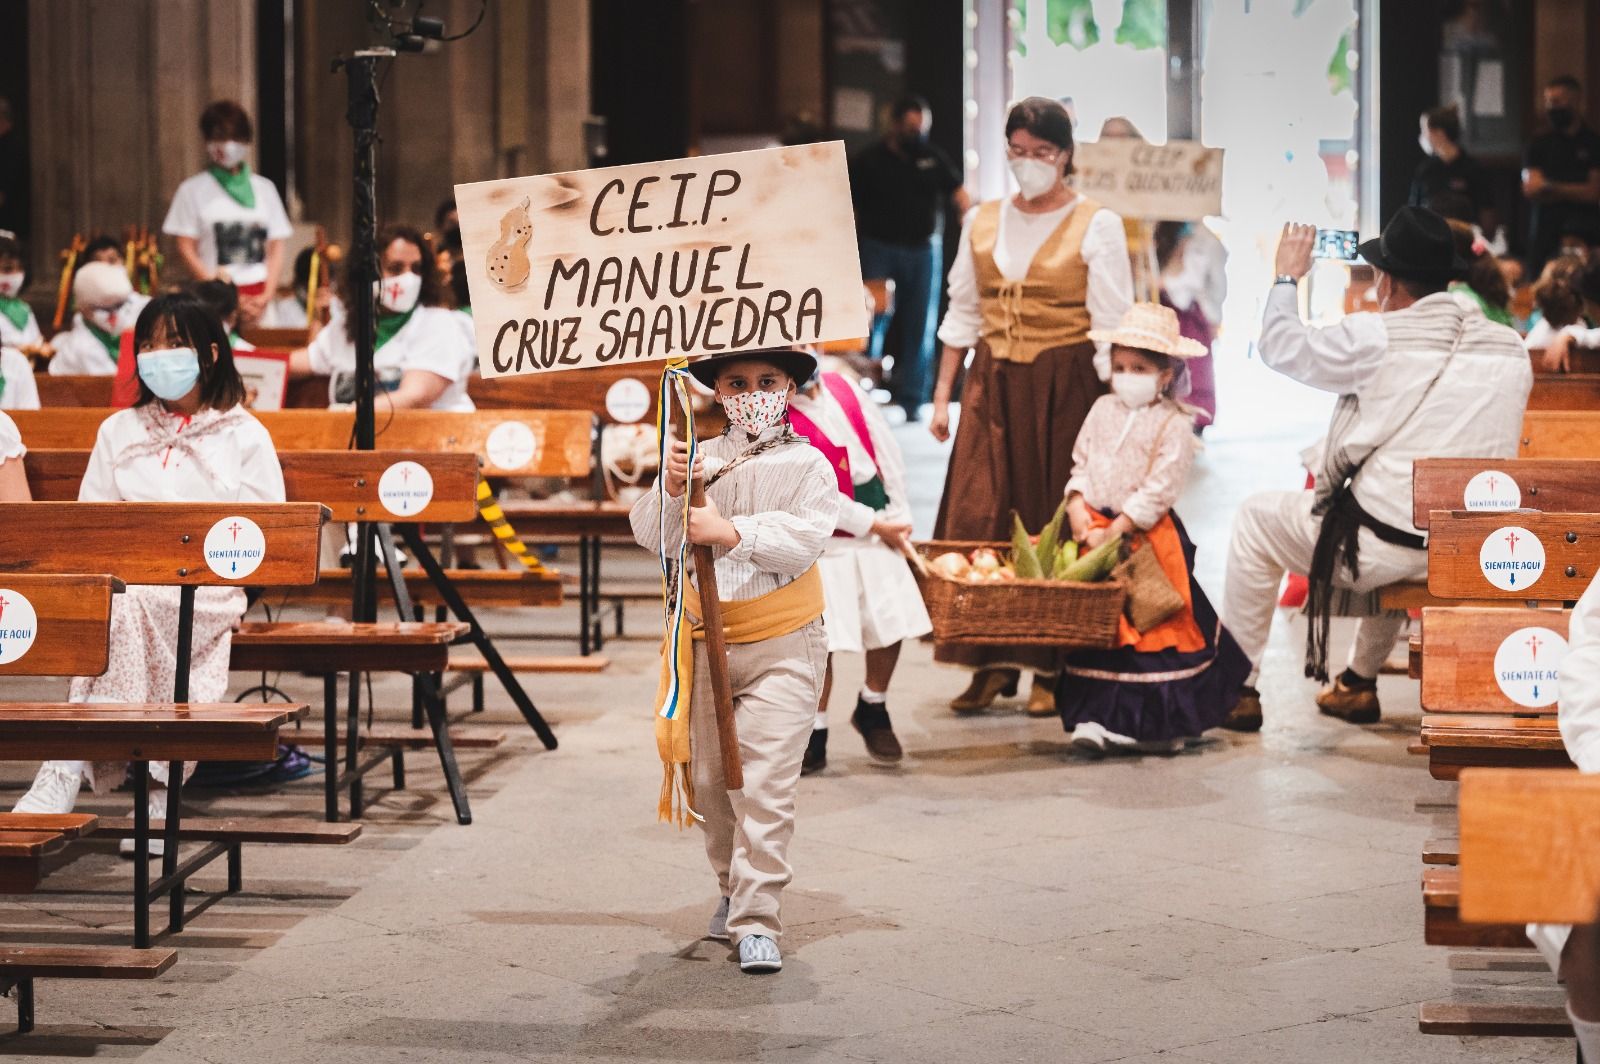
<point x="784" y="504"/>
<point x="21" y="393"/>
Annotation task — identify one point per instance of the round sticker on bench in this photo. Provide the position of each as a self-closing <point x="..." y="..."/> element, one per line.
<point x="627" y="400"/>
<point x="405" y="489"/>
<point x="18" y="625"/>
<point x="1492" y="490"/>
<point x="1528" y="666"/>
<point x="1511" y="558"/>
<point x="235" y="547"/>
<point x="511" y="445"/>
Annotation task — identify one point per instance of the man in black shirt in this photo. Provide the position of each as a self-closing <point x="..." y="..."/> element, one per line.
<point x="900" y="186"/>
<point x="1561" y="172"/>
<point x="1449" y="175"/>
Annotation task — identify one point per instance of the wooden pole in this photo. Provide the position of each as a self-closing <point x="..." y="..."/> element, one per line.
<point x="705" y="574"/>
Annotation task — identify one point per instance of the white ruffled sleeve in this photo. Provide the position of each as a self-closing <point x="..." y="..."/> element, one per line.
<point x="10" y="439"/>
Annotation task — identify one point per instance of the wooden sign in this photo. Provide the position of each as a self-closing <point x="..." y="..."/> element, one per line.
<point x="1179" y="181"/>
<point x="626" y="264"/>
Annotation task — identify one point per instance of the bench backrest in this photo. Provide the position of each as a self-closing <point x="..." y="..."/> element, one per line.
<point x="1556" y="434"/>
<point x="1491" y="660"/>
<point x="1563" y="391"/>
<point x="164" y="543"/>
<point x="1530" y="846"/>
<point x="74" y="390"/>
<point x="1498" y="555"/>
<point x="611" y="392"/>
<point x="281" y="339"/>
<point x="55" y="625"/>
<point x="350" y="484"/>
<point x="1579" y="359"/>
<point x="519" y="443"/>
<point x="1555" y="485"/>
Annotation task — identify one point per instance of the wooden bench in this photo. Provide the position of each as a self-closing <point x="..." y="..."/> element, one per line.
<point x="67" y="538"/>
<point x="1527" y="855"/>
<point x="591" y="523"/>
<point x="1458" y="648"/>
<point x="474" y="670"/>
<point x="419" y="648"/>
<point x="1565" y="391"/>
<point x="349" y="485"/>
<point x="1571" y="544"/>
<point x="27" y="838"/>
<point x="21" y="965"/>
<point x="1560" y="434"/>
<point x="1459" y="741"/>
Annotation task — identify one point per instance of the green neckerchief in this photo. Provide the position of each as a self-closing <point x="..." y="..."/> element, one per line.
<point x="1498" y="315"/>
<point x="873" y="494"/>
<point x="112" y="344"/>
<point x="234" y="340"/>
<point x="236" y="183"/>
<point x="389" y="324"/>
<point x="15" y="310"/>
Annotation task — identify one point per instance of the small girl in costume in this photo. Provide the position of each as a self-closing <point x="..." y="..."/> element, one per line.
<point x="771" y="503"/>
<point x="873" y="601"/>
<point x="1168" y="684"/>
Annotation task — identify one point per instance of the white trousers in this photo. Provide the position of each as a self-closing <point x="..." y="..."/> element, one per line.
<point x="1275" y="532"/>
<point x="777" y="684"/>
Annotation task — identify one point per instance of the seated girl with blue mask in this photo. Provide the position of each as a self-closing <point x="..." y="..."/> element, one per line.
<point x="188" y="439"/>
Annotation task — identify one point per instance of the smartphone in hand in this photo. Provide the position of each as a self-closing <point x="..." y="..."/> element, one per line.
<point x="1337" y="244"/>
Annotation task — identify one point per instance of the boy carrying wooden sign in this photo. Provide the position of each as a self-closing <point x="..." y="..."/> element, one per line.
<point x="735" y="258"/>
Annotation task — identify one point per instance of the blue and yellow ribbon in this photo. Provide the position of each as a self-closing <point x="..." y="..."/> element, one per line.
<point x="674" y="387"/>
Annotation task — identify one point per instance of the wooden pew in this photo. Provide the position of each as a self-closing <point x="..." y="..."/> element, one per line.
<point x="21" y="965"/>
<point x="1528" y="855"/>
<point x="1554" y="485"/>
<point x="172" y="550"/>
<point x="1560" y="434"/>
<point x="1565" y="391"/>
<point x="72" y="621"/>
<point x="1579" y="360"/>
<point x="537" y="443"/>
<point x="69" y="390"/>
<point x="347" y="483"/>
<point x="1458" y="657"/>
<point x="1571" y="544"/>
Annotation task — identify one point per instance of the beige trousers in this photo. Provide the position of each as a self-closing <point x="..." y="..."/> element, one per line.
<point x="776" y="686"/>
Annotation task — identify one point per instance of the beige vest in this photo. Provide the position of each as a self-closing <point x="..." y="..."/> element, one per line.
<point x="1048" y="307"/>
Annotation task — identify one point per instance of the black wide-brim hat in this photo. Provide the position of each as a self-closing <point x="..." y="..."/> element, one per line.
<point x="1417" y="244"/>
<point x="801" y="365"/>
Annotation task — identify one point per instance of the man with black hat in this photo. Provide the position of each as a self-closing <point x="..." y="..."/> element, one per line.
<point x="1425" y="377"/>
<point x="771" y="504"/>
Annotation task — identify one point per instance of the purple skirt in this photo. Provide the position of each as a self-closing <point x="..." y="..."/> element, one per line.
<point x="1151" y="696"/>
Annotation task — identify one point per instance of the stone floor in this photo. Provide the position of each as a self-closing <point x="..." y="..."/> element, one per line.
<point x="993" y="898"/>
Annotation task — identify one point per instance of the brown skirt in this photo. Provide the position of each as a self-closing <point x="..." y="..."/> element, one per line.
<point x="1013" y="451"/>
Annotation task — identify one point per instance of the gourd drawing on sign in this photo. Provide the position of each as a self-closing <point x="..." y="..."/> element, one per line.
<point x="508" y="264"/>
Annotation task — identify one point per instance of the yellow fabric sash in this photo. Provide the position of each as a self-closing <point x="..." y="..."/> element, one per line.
<point x="769" y="616"/>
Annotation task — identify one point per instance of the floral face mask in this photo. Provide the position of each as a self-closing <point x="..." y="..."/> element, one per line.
<point x="756" y="412"/>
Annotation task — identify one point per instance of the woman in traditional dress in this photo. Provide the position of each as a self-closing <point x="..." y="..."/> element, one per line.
<point x="1035" y="272"/>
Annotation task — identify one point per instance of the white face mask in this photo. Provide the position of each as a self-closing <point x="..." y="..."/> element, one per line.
<point x="1034" y="176"/>
<point x="11" y="284"/>
<point x="227" y="154"/>
<point x="1135" y="389"/>
<point x="109" y="319"/>
<point x="399" y="293"/>
<point x="756" y="412"/>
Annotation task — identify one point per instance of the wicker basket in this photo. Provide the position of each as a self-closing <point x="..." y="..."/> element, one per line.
<point x="1024" y="612"/>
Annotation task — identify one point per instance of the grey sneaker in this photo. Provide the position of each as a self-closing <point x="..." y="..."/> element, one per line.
<point x="719" y="922"/>
<point x="758" y="953"/>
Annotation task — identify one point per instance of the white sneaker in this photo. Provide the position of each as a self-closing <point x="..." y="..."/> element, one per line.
<point x="1090" y="738"/>
<point x="718" y="927"/>
<point x="758" y="953"/>
<point x="54" y="790"/>
<point x="158" y="811"/>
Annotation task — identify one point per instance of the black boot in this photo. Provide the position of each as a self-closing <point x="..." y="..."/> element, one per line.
<point x="816" y="758"/>
<point x="871" y="719"/>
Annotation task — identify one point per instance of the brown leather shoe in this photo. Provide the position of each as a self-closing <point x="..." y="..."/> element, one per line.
<point x="1356" y="704"/>
<point x="1042" y="699"/>
<point x="872" y="721"/>
<point x="816" y="755"/>
<point x="1246" y="714"/>
<point x="986" y="686"/>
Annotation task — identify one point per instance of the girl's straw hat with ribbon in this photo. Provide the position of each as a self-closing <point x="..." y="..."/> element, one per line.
<point x="1150" y="327"/>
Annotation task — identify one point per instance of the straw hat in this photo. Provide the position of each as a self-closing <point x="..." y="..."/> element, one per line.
<point x="1150" y="327"/>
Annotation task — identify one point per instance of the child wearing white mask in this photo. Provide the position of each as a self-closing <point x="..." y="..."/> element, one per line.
<point x="107" y="308"/>
<point x="227" y="220"/>
<point x="188" y="439"/>
<point x="423" y="358"/>
<point x="1175" y="679"/>
<point x="18" y="326"/>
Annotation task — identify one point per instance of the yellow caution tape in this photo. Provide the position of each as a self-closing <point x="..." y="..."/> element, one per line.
<point x="489" y="510"/>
